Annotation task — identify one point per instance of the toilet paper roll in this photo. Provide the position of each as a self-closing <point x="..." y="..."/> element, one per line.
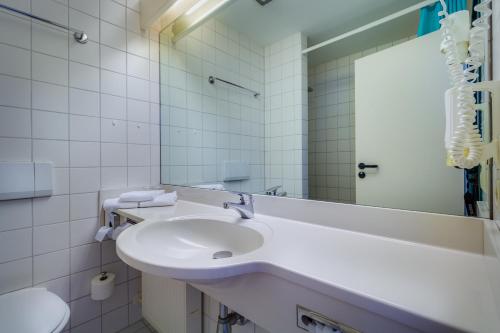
<point x="101" y="286"/>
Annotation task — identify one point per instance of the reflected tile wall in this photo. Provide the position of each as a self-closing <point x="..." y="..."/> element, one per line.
<point x="202" y="124"/>
<point x="286" y="116"/>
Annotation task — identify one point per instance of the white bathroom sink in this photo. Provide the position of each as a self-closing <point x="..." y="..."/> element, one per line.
<point x="198" y="238"/>
<point x="189" y="247"/>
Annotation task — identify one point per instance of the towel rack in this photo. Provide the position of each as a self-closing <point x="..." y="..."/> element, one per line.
<point x="212" y="79"/>
<point x="79" y="35"/>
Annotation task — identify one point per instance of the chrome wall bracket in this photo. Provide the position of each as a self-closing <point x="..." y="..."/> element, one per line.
<point x="80" y="36"/>
<point x="307" y="318"/>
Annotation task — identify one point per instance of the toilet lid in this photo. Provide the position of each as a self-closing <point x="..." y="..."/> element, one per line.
<point x="33" y="310"/>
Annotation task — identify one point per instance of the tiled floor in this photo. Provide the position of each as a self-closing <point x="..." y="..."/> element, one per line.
<point x="140" y="327"/>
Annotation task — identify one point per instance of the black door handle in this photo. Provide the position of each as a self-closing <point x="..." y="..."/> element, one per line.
<point x="363" y="166"/>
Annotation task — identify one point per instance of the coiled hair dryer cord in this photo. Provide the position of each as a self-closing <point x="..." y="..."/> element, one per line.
<point x="466" y="145"/>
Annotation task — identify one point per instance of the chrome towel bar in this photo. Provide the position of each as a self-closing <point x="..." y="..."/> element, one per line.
<point x="212" y="79"/>
<point x="79" y="35"/>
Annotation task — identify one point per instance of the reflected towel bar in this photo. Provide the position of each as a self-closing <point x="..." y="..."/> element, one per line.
<point x="212" y="79"/>
<point x="79" y="35"/>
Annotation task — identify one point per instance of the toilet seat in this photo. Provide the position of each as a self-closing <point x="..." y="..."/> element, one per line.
<point x="33" y="310"/>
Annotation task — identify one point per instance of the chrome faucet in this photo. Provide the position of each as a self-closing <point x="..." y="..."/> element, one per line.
<point x="274" y="191"/>
<point x="244" y="207"/>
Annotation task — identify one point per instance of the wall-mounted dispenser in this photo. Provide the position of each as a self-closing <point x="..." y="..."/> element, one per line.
<point x="20" y="180"/>
<point x="235" y="170"/>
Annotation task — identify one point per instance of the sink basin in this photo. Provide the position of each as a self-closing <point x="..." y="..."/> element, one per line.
<point x="198" y="238"/>
<point x="189" y="247"/>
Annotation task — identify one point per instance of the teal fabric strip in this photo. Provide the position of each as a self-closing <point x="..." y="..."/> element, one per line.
<point x="429" y="18"/>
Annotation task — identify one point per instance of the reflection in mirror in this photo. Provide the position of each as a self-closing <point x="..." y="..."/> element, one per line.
<point x="252" y="100"/>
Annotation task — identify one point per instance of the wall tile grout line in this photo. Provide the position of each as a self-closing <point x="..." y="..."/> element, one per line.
<point x="126" y="104"/>
<point x="32" y="145"/>
<point x="100" y="145"/>
<point x="69" y="162"/>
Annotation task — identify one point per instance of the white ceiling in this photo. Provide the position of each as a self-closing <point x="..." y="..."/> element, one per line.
<point x="320" y="20"/>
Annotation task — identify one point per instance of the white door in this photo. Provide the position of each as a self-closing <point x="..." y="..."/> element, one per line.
<point x="400" y="127"/>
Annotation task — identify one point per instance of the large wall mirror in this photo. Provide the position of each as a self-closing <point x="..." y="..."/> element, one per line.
<point x="250" y="102"/>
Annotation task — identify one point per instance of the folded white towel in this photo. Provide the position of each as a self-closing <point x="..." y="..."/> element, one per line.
<point x="219" y="187"/>
<point x="167" y="199"/>
<point x="138" y="196"/>
<point x="110" y="205"/>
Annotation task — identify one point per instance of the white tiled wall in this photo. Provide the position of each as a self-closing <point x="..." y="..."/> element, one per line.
<point x="204" y="124"/>
<point x="93" y="110"/>
<point x="286" y="116"/>
<point x="331" y="128"/>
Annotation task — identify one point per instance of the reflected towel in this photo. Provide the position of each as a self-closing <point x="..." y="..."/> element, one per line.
<point x="167" y="199"/>
<point x="138" y="196"/>
<point x="211" y="186"/>
<point x="219" y="187"/>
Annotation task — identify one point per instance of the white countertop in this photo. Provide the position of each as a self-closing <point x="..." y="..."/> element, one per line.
<point x="421" y="285"/>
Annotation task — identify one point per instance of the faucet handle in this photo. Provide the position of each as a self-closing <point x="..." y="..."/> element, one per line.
<point x="244" y="207"/>
<point x="242" y="197"/>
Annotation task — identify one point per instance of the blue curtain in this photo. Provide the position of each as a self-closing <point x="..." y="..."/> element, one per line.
<point x="429" y="19"/>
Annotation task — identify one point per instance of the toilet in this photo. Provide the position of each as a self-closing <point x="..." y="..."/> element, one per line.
<point x="33" y="310"/>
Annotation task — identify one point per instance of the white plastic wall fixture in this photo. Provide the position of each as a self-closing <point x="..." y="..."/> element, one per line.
<point x="17" y="180"/>
<point x="20" y="180"/>
<point x="43" y="179"/>
<point x="492" y="149"/>
<point x="236" y="170"/>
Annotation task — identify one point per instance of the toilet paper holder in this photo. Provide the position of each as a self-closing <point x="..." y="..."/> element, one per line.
<point x="306" y="317"/>
<point x="112" y="228"/>
<point x="106" y="231"/>
<point x="102" y="286"/>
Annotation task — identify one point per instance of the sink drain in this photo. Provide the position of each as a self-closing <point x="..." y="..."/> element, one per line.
<point x="222" y="254"/>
